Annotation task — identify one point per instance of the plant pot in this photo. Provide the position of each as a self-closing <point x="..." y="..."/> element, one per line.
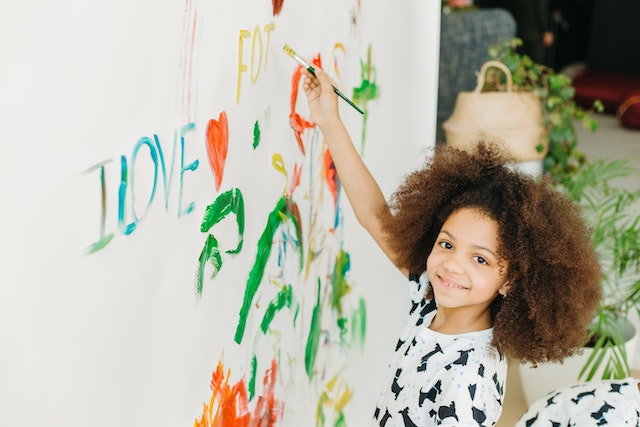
<point x="513" y="120"/>
<point x="538" y="382"/>
<point x="535" y="168"/>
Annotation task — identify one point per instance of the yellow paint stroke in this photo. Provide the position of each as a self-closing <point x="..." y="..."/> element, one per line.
<point x="278" y="164"/>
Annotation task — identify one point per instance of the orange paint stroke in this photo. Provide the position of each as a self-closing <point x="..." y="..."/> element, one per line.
<point x="229" y="405"/>
<point x="217" y="146"/>
<point x="297" y="122"/>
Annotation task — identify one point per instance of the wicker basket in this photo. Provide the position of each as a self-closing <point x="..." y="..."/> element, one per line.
<point x="511" y="119"/>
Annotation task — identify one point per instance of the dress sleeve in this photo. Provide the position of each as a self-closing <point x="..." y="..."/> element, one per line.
<point x="418" y="284"/>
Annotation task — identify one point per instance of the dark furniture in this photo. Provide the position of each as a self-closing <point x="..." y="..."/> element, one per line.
<point x="465" y="39"/>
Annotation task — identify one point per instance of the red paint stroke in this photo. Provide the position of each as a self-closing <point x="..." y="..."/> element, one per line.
<point x="277" y="7"/>
<point x="331" y="176"/>
<point x="297" y="122"/>
<point x="268" y="409"/>
<point x="190" y="33"/>
<point x="217" y="146"/>
<point x="229" y="405"/>
<point x="295" y="180"/>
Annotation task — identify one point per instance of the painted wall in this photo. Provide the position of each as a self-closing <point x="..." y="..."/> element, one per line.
<point x="175" y="245"/>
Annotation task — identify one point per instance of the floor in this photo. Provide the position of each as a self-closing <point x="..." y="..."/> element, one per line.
<point x="610" y="140"/>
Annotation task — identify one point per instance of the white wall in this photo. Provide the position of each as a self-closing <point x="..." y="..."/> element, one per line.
<point x="121" y="336"/>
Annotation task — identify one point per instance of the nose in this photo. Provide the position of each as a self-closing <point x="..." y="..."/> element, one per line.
<point x="453" y="264"/>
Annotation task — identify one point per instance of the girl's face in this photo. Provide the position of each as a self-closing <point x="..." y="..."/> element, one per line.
<point x="464" y="267"/>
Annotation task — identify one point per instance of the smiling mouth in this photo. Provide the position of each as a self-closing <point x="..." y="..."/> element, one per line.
<point x="448" y="284"/>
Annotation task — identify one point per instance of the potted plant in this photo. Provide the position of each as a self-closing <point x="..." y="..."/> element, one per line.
<point x="613" y="214"/>
<point x="556" y="93"/>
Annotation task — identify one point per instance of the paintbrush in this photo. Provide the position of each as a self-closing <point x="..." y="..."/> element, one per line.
<point x="292" y="53"/>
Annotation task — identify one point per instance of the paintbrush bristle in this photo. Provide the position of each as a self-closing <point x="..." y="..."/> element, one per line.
<point x="289" y="51"/>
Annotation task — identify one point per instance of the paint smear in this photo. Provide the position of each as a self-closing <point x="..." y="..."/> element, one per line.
<point x="229" y="405"/>
<point x="331" y="176"/>
<point x="252" y="377"/>
<point x="268" y="409"/>
<point x="337" y="48"/>
<point x="217" y="146"/>
<point x="333" y="398"/>
<point x="277" y="6"/>
<point x="313" y="341"/>
<point x="189" y="51"/>
<point x="367" y="91"/>
<point x="359" y="323"/>
<point x="297" y="122"/>
<point x="355" y="15"/>
<point x="104" y="238"/>
<point x="256" y="134"/>
<point x="227" y="203"/>
<point x="210" y="254"/>
<point x="285" y="210"/>
<point x="283" y="299"/>
<point x="339" y="285"/>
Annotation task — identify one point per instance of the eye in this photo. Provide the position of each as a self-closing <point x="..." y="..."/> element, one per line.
<point x="445" y="244"/>
<point x="480" y="260"/>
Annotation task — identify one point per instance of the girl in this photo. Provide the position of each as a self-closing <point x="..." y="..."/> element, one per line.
<point x="500" y="266"/>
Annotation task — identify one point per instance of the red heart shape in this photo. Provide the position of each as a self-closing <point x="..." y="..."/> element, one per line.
<point x="217" y="146"/>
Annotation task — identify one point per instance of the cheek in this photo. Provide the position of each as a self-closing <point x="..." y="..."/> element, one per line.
<point x="432" y="261"/>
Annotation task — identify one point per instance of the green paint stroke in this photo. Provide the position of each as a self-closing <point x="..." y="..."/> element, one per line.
<point x="252" y="379"/>
<point x="341" y="421"/>
<point x="256" y="134"/>
<point x="367" y="91"/>
<point x="342" y="324"/>
<point x="295" y="315"/>
<point x="320" y="417"/>
<point x="359" y="323"/>
<point x="229" y="202"/>
<point x="210" y="254"/>
<point x="285" y="210"/>
<point x="314" y="338"/>
<point x="339" y="285"/>
<point x="104" y="238"/>
<point x="283" y="299"/>
<point x="339" y="289"/>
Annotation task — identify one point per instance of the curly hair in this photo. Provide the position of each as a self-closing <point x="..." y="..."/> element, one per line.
<point x="553" y="267"/>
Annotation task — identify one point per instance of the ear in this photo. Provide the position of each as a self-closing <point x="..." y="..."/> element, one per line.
<point x="504" y="289"/>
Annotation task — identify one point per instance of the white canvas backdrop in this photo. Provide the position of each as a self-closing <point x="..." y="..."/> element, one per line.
<point x="119" y="336"/>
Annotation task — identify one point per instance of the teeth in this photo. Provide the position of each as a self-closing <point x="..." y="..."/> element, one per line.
<point x="451" y="285"/>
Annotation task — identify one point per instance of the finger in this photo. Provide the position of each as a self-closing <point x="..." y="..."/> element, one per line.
<point x="325" y="80"/>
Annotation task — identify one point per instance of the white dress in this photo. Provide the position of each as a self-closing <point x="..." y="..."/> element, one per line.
<point x="439" y="379"/>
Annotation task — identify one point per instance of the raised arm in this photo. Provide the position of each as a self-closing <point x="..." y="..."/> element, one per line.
<point x="361" y="188"/>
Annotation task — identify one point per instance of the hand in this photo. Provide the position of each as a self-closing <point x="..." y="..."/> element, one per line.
<point x="322" y="100"/>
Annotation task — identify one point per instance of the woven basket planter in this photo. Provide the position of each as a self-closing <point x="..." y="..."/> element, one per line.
<point x="511" y="119"/>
